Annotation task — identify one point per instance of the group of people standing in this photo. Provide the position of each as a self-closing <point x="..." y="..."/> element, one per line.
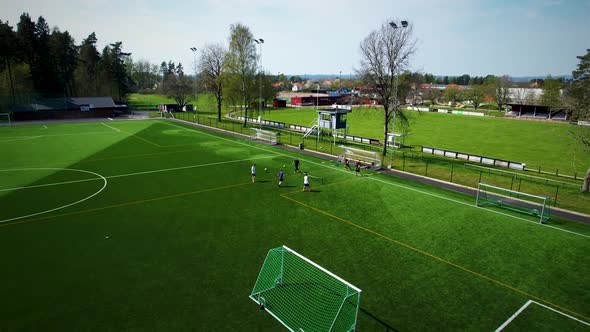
<point x="281" y="175"/>
<point x="357" y="166"/>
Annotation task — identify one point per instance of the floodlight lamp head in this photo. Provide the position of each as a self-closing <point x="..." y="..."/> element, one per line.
<point x="194" y="49"/>
<point x="405" y="24"/>
<point x="393" y="25"/>
<point x="256" y="40"/>
<point x="261" y="40"/>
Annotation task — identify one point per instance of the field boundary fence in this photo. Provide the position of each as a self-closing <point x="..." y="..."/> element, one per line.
<point x="563" y="194"/>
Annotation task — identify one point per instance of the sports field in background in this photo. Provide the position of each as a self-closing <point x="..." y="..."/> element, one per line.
<point x="536" y="143"/>
<point x="155" y="225"/>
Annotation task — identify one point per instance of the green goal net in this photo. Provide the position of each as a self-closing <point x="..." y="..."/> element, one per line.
<point x="304" y="296"/>
<point x="537" y="206"/>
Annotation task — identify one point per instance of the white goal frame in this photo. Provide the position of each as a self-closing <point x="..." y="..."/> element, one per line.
<point x="539" y="206"/>
<point x="366" y="157"/>
<point x="264" y="136"/>
<point x="8" y="123"/>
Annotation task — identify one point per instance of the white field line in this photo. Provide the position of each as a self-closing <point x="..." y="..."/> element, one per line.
<point x="514" y="316"/>
<point x="562" y="313"/>
<point x="113" y="128"/>
<point x="519" y="311"/>
<point x="23" y="138"/>
<point x="44" y="126"/>
<point x="124" y="175"/>
<point x="386" y="182"/>
<point x="99" y="177"/>
<point x="56" y="135"/>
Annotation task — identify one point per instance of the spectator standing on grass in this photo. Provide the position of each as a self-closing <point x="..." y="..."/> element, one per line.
<point x="296" y="164"/>
<point x="253" y="171"/>
<point x="306" y="183"/>
<point x="357" y="168"/>
<point x="281" y="177"/>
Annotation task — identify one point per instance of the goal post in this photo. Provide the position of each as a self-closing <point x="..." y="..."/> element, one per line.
<point x="264" y="136"/>
<point x="371" y="158"/>
<point x="537" y="206"/>
<point x="5" y="120"/>
<point x="304" y="296"/>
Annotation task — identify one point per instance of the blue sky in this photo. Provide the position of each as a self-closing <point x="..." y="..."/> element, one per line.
<point x="455" y="37"/>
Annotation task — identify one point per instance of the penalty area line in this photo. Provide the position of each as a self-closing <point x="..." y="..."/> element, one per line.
<point x="122" y="175"/>
<point x="113" y="128"/>
<point x="521" y="309"/>
<point x="440" y="259"/>
<point x="374" y="178"/>
<point x="127" y="204"/>
<point x="529" y="302"/>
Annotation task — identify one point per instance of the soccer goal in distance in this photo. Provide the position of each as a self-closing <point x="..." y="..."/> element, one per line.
<point x="537" y="206"/>
<point x="369" y="158"/>
<point x="304" y="296"/>
<point x="264" y="136"/>
<point x="5" y="120"/>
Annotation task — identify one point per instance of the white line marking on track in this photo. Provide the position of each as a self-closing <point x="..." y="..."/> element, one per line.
<point x="561" y="313"/>
<point x="113" y="128"/>
<point x="57" y="135"/>
<point x="382" y="181"/>
<point x="99" y="177"/>
<point x="524" y="306"/>
<point x="514" y="316"/>
<point x="23" y="138"/>
<point x="124" y="175"/>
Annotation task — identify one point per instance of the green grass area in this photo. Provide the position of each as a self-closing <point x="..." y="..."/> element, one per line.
<point x="549" y="145"/>
<point x="205" y="102"/>
<point x="155" y="225"/>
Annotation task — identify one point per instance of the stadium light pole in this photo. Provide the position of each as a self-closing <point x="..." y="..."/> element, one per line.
<point x="260" y="41"/>
<point x="339" y="80"/>
<point x="194" y="50"/>
<point x="394" y="26"/>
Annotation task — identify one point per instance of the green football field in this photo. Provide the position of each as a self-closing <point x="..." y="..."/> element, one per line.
<point x="551" y="146"/>
<point x="156" y="225"/>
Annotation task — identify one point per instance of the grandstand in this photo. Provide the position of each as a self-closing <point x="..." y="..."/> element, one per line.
<point x="526" y="103"/>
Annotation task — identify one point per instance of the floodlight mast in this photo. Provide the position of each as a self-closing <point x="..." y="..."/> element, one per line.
<point x="260" y="41"/>
<point x="194" y="50"/>
<point x="396" y="102"/>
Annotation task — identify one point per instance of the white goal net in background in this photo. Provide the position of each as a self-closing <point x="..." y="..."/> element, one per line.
<point x="537" y="206"/>
<point x="367" y="158"/>
<point x="264" y="136"/>
<point x="5" y="119"/>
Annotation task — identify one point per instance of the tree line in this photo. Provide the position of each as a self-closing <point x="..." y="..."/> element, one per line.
<point x="36" y="61"/>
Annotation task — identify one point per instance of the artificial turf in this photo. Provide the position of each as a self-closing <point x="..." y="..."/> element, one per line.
<point x="167" y="232"/>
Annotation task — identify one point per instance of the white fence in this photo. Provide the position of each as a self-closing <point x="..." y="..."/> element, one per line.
<point x="474" y="158"/>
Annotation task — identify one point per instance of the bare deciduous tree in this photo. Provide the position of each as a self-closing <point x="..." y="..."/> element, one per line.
<point x="385" y="53"/>
<point x="241" y="62"/>
<point x="211" y="68"/>
<point x="502" y="91"/>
